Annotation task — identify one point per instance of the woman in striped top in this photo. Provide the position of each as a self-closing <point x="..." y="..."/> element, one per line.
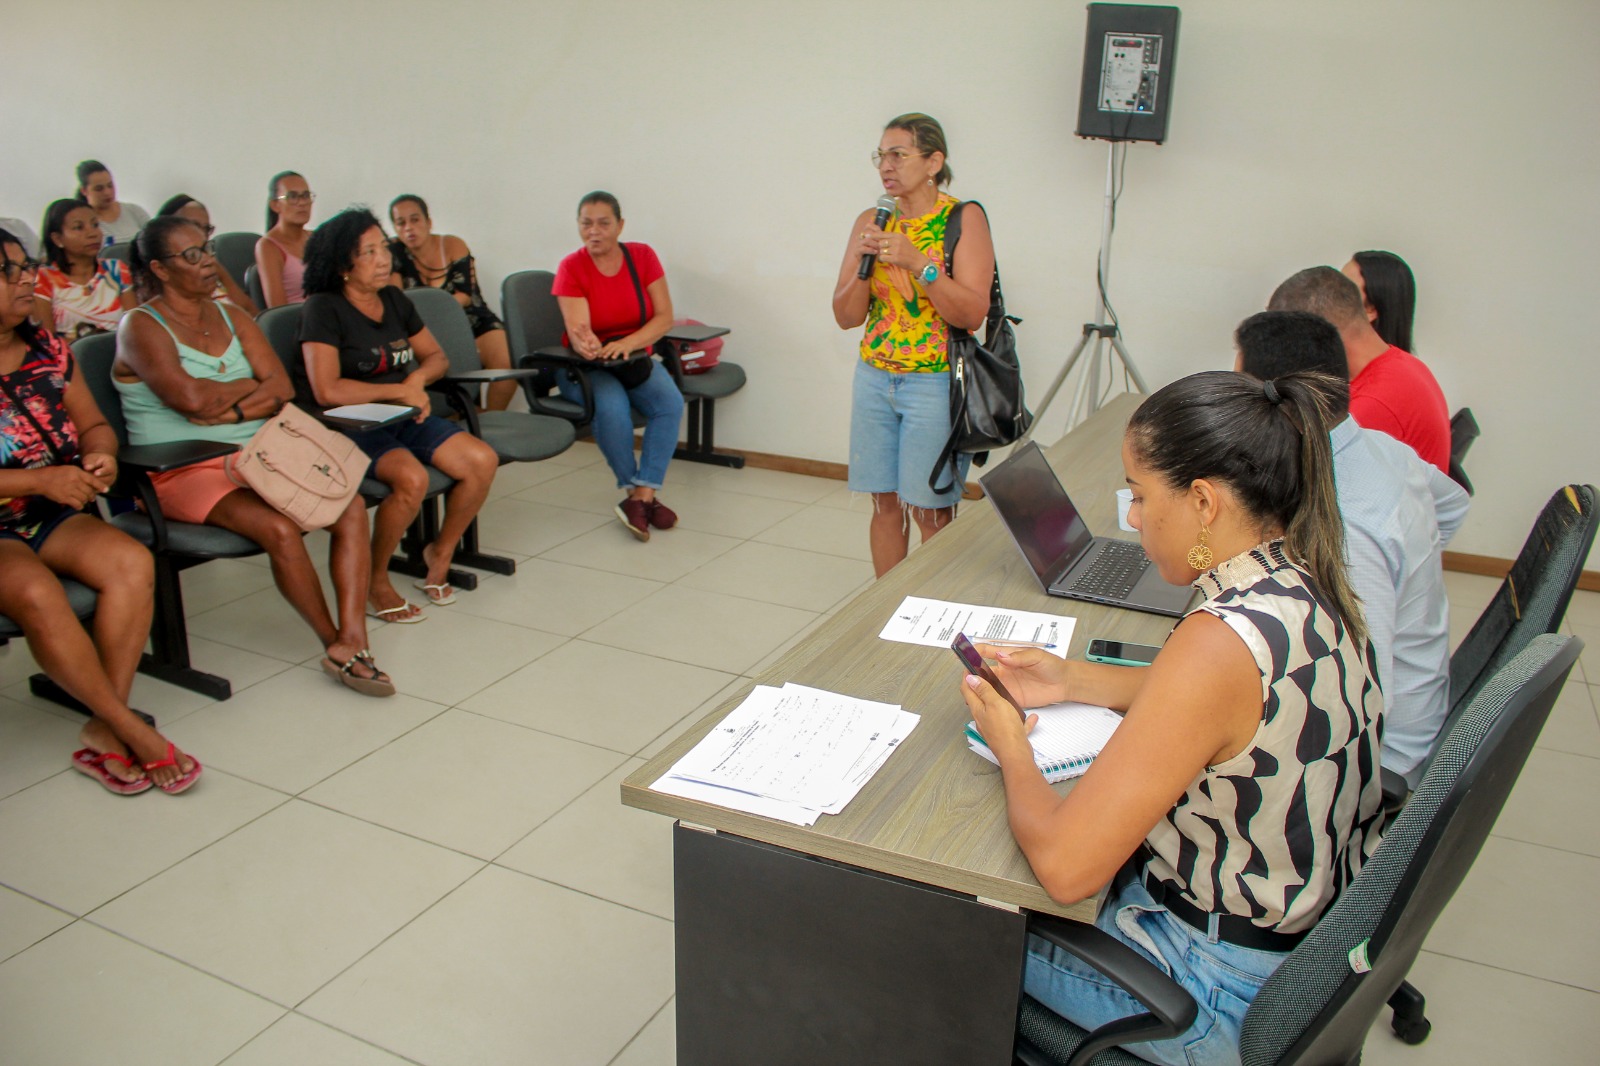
<point x="1241" y="792"/>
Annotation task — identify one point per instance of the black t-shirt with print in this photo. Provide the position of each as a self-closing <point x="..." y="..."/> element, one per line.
<point x="378" y="353"/>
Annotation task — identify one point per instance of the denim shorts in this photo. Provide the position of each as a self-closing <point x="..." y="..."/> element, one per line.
<point x="44" y="518"/>
<point x="898" y="426"/>
<point x="421" y="439"/>
<point x="1223" y="978"/>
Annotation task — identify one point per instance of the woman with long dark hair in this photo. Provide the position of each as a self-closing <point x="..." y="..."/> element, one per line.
<point x="281" y="251"/>
<point x="77" y="292"/>
<point x="1390" y="293"/>
<point x="900" y="406"/>
<point x="1240" y="794"/>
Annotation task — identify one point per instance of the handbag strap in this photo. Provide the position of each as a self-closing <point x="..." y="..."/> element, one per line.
<point x="638" y="289"/>
<point x="952" y="237"/>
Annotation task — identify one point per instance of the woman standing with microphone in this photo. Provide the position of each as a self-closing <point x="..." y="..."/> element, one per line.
<point x="900" y="406"/>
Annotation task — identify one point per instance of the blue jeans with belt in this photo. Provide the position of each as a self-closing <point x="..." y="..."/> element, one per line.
<point x="1223" y="978"/>
<point x="661" y="404"/>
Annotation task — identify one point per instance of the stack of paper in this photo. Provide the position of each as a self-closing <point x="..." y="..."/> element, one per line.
<point x="1065" y="741"/>
<point x="794" y="753"/>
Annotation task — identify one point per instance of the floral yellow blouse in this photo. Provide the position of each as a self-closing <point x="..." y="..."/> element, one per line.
<point x="905" y="334"/>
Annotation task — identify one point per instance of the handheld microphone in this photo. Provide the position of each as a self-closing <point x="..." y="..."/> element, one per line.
<point x="886" y="206"/>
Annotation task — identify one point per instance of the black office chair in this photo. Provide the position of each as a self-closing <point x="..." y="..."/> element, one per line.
<point x="1318" y="1007"/>
<point x="177" y="546"/>
<point x="252" y="286"/>
<point x="533" y="329"/>
<point x="1463" y="431"/>
<point x="282" y="328"/>
<point x="236" y="252"/>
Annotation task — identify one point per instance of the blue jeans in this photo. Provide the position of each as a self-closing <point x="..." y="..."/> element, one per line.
<point x="898" y="425"/>
<point x="1222" y="978"/>
<point x="658" y="400"/>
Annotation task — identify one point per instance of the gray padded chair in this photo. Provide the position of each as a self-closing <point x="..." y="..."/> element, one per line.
<point x="1317" y="1008"/>
<point x="516" y="436"/>
<point x="120" y="251"/>
<point x="236" y="252"/>
<point x="252" y="286"/>
<point x="534" y="328"/>
<point x="177" y="546"/>
<point x="1463" y="431"/>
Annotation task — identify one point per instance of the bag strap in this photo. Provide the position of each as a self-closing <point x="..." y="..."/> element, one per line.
<point x="638" y="289"/>
<point x="997" y="300"/>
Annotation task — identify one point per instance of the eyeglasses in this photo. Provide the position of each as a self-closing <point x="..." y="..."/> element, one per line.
<point x="15" y="268"/>
<point x="297" y="197"/>
<point x="895" y="156"/>
<point x="195" y="255"/>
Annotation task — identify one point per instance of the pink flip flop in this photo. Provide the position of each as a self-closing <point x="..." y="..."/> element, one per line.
<point x="93" y="763"/>
<point x="181" y="784"/>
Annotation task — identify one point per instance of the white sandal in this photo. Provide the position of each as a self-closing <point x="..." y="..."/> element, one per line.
<point x="388" y="614"/>
<point x="435" y="592"/>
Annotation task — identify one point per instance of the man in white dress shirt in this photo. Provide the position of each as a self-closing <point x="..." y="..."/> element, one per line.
<point x="1399" y="513"/>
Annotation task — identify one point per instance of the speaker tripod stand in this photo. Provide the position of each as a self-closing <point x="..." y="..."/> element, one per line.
<point x="1086" y="397"/>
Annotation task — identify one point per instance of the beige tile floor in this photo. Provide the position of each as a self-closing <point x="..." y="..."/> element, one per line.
<point x="449" y="878"/>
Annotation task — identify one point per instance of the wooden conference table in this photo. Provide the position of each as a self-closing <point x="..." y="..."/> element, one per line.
<point x="894" y="931"/>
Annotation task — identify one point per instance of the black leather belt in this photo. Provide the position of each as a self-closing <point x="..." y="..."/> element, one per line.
<point x="1232" y="928"/>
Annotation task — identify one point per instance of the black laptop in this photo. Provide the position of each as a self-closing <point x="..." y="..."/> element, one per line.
<point x="1068" y="560"/>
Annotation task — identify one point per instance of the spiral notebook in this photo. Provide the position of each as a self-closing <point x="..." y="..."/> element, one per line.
<point x="1066" y="740"/>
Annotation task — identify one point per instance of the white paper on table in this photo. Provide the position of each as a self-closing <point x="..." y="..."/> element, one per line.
<point x="935" y="623"/>
<point x="792" y="813"/>
<point x="368" y="412"/>
<point x="873" y="758"/>
<point x="796" y="745"/>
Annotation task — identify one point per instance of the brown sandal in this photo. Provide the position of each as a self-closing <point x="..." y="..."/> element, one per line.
<point x="378" y="684"/>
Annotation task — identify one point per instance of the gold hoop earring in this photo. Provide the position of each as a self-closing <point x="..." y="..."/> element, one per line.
<point x="1200" y="557"/>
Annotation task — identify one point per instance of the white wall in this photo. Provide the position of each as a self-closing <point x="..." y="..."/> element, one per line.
<point x="1459" y="133"/>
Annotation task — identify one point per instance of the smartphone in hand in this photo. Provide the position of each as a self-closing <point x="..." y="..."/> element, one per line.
<point x="974" y="664"/>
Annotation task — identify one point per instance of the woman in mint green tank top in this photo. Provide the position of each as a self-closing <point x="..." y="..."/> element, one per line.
<point x="189" y="367"/>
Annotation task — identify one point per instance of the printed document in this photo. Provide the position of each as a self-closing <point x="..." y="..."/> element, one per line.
<point x="935" y="623"/>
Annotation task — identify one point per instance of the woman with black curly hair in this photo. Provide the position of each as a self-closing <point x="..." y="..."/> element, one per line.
<point x="363" y="342"/>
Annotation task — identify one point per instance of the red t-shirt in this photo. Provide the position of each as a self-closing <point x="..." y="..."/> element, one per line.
<point x="613" y="305"/>
<point x="1396" y="394"/>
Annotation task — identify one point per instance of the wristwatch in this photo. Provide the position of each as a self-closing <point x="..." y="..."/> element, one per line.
<point x="930" y="273"/>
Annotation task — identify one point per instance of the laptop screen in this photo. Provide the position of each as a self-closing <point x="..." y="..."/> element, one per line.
<point x="1034" y="506"/>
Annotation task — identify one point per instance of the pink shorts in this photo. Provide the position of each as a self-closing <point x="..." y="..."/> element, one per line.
<point x="189" y="493"/>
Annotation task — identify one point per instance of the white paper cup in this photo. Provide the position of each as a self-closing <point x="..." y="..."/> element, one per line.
<point x="1124" y="501"/>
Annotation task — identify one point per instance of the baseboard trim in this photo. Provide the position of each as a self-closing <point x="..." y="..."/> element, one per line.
<point x="1491" y="566"/>
<point x="1460" y="562"/>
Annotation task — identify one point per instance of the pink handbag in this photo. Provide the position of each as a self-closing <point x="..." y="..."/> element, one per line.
<point x="301" y="467"/>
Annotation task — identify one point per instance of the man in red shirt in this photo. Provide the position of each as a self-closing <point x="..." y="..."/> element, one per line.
<point x="1391" y="390"/>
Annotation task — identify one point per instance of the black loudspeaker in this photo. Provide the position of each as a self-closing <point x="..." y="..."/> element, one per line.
<point x="1129" y="52"/>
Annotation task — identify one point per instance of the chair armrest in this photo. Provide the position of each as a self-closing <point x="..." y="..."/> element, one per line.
<point x="695" y="334"/>
<point x="160" y="458"/>
<point x="559" y="360"/>
<point x="476" y="377"/>
<point x="553" y="356"/>
<point x="1171" y="1010"/>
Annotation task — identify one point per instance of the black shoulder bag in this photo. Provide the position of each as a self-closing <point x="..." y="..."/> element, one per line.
<point x="986" y="402"/>
<point x="632" y="372"/>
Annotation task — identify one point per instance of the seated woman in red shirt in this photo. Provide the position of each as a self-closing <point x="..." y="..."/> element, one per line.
<point x="614" y="300"/>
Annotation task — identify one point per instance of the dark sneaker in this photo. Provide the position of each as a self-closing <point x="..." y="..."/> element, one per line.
<point x="635" y="514"/>
<point x="662" y="516"/>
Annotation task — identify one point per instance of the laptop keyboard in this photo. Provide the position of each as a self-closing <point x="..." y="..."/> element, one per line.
<point x="1113" y="573"/>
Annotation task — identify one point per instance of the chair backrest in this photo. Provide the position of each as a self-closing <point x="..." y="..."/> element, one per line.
<point x="119" y="251"/>
<point x="447" y="321"/>
<point x="252" y="286"/>
<point x="1463" y="431"/>
<point x="236" y="251"/>
<point x="1532" y="599"/>
<point x="1319" y="1005"/>
<point x="533" y="318"/>
<point x="282" y="327"/>
<point x="94" y="354"/>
